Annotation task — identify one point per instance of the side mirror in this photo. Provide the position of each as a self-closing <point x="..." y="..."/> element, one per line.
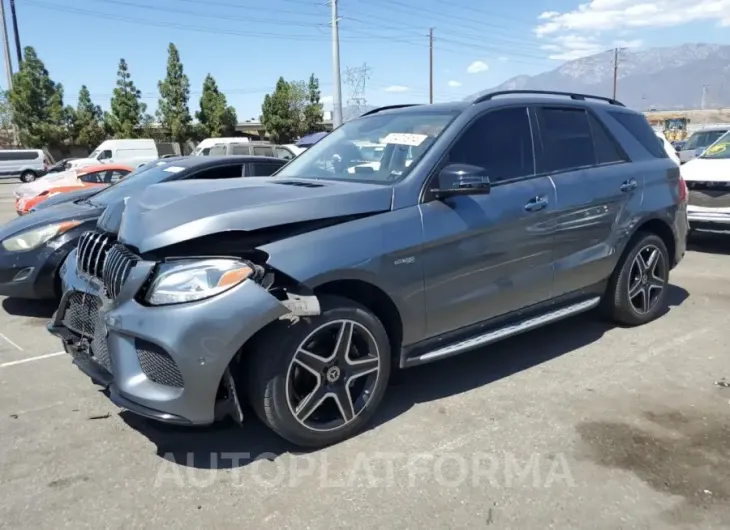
<point x="461" y="179"/>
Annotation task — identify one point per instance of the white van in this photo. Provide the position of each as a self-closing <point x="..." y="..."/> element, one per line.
<point x="131" y="152"/>
<point x="203" y="148"/>
<point x="29" y="164"/>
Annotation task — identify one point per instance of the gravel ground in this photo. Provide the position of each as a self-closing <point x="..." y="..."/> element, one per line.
<point x="580" y="425"/>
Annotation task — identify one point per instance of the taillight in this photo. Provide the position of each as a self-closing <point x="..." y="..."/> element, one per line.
<point x="682" y="189"/>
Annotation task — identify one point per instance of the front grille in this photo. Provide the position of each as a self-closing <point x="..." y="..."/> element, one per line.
<point x="157" y="364"/>
<point x="709" y="198"/>
<point x="100" y="256"/>
<point x="81" y="313"/>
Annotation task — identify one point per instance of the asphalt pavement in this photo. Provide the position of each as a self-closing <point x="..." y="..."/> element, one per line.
<point x="579" y="425"/>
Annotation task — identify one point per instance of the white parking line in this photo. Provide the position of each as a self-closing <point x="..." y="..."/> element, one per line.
<point x="31" y="359"/>
<point x="10" y="342"/>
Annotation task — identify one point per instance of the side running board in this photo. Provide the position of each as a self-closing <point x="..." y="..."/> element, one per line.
<point x="504" y="332"/>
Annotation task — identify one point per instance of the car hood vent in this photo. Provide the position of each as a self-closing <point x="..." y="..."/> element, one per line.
<point x="300" y="184"/>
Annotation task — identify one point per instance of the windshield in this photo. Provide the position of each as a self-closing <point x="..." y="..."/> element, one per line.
<point x="404" y="136"/>
<point x="144" y="176"/>
<point x="702" y="139"/>
<point x="720" y="149"/>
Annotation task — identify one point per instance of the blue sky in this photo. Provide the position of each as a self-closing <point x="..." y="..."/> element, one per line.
<point x="247" y="44"/>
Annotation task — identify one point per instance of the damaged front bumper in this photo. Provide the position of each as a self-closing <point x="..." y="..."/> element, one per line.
<point x="170" y="363"/>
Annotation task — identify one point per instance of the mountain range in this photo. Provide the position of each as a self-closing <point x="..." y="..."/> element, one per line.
<point x="665" y="78"/>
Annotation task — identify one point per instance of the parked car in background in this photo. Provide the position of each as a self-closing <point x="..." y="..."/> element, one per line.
<point x="708" y="182"/>
<point x="698" y="141"/>
<point x="86" y="177"/>
<point x="85" y="193"/>
<point x="131" y="152"/>
<point x="203" y="148"/>
<point x="252" y="149"/>
<point x="28" y="164"/>
<point x="300" y="293"/>
<point x="61" y="165"/>
<point x="668" y="148"/>
<point x="33" y="247"/>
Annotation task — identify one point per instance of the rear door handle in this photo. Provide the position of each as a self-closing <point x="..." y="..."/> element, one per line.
<point x="629" y="185"/>
<point x="536" y="203"/>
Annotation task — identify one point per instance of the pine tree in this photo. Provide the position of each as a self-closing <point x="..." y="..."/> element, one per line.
<point x="37" y="104"/>
<point x="127" y="111"/>
<point x="280" y="114"/>
<point x="215" y="117"/>
<point x="314" y="110"/>
<point x="172" y="109"/>
<point x="88" y="123"/>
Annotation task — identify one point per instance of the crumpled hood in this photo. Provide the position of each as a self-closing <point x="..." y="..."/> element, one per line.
<point x="60" y="213"/>
<point x="168" y="213"/>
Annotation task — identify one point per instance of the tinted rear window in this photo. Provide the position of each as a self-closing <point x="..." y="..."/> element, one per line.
<point x="638" y="126"/>
<point x="19" y="155"/>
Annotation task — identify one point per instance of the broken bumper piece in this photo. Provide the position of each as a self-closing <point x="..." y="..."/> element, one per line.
<point x="169" y="363"/>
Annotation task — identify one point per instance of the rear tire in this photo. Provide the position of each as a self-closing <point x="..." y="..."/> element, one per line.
<point x="637" y="290"/>
<point x="309" y="385"/>
<point x="28" y="176"/>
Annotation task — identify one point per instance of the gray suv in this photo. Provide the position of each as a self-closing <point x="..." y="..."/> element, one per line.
<point x="300" y="294"/>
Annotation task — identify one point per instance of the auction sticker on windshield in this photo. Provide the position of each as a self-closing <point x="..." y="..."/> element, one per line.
<point x="174" y="169"/>
<point x="414" y="140"/>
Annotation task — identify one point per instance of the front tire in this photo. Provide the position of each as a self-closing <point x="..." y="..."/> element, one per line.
<point x="637" y="291"/>
<point x="319" y="381"/>
<point x="28" y="176"/>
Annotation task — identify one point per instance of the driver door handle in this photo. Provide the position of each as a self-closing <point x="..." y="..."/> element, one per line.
<point x="629" y="185"/>
<point x="536" y="203"/>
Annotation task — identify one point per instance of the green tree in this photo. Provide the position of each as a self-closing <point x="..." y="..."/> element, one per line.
<point x="313" y="110"/>
<point x="215" y="117"/>
<point x="172" y="109"/>
<point x="37" y="104"/>
<point x="281" y="112"/>
<point x="128" y="112"/>
<point x="88" y="121"/>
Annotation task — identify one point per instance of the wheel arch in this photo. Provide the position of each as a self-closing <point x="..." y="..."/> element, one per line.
<point x="659" y="227"/>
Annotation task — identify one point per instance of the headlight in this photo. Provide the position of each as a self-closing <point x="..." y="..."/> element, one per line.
<point x="35" y="238"/>
<point x="181" y="281"/>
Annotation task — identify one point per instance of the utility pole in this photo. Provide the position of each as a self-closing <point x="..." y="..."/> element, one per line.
<point x="17" y="33"/>
<point x="337" y="94"/>
<point x="615" y="70"/>
<point x="8" y="64"/>
<point x="704" y="99"/>
<point x="430" y="65"/>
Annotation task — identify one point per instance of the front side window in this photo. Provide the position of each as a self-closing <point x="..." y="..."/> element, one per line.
<point x="284" y="154"/>
<point x="500" y="142"/>
<point x="93" y="178"/>
<point x="106" y="154"/>
<point x="405" y="135"/>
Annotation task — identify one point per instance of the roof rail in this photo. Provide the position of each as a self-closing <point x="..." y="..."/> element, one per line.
<point x="571" y="95"/>
<point x="389" y="107"/>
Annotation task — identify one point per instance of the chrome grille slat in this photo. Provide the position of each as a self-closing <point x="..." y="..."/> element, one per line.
<point x="101" y="257"/>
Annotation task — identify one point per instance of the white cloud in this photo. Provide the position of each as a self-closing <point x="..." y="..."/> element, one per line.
<point x="572" y="46"/>
<point x="477" y="67"/>
<point x="454" y="84"/>
<point x="397" y="88"/>
<point x="545" y="15"/>
<point x="606" y="15"/>
<point x="326" y="99"/>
